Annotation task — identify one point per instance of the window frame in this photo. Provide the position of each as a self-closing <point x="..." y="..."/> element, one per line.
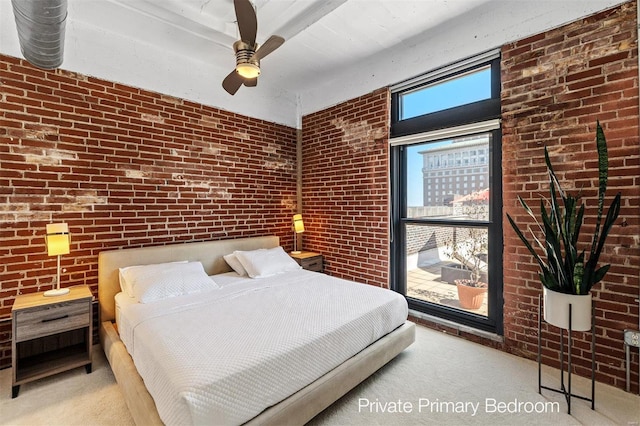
<point x="474" y="112"/>
<point x="478" y="117"/>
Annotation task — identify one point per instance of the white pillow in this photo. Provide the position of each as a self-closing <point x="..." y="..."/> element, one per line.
<point x="266" y="262"/>
<point x="156" y="282"/>
<point x="126" y="286"/>
<point x="234" y="263"/>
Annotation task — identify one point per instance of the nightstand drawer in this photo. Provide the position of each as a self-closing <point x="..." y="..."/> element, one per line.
<point x="51" y="319"/>
<point x="309" y="260"/>
<point x="312" y="264"/>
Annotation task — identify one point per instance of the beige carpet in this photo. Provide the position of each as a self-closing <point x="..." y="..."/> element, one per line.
<point x="439" y="380"/>
<point x="70" y="398"/>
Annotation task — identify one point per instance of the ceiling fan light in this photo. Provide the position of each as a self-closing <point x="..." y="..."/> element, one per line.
<point x="248" y="70"/>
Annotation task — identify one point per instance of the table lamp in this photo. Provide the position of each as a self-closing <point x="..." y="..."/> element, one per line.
<point x="58" y="240"/>
<point x="298" y="228"/>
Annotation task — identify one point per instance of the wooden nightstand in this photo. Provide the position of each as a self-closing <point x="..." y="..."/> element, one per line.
<point x="50" y="334"/>
<point x="309" y="260"/>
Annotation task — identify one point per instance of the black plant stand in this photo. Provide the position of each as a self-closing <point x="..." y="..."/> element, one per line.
<point x="566" y="391"/>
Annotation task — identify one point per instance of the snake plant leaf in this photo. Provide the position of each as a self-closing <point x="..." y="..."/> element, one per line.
<point x="553" y="179"/>
<point x="529" y="211"/>
<point x="533" y="234"/>
<point x="603" y="166"/>
<point x="603" y="177"/>
<point x="526" y="242"/>
<point x="554" y="253"/>
<point x="566" y="231"/>
<point x="599" y="274"/>
<point x="563" y="266"/>
<point x="526" y="208"/>
<point x="556" y="232"/>
<point x="548" y="219"/>
<point x="549" y="280"/>
<point x="612" y="215"/>
<point x="590" y="269"/>
<point x="578" y="272"/>
<point x="578" y="225"/>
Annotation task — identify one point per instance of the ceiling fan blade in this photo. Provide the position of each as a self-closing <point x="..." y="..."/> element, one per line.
<point x="267" y="47"/>
<point x="247" y="21"/>
<point x="251" y="82"/>
<point x="232" y="82"/>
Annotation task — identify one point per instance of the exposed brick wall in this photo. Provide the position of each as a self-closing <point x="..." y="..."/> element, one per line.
<point x="555" y="86"/>
<point x="345" y="191"/>
<point x="126" y="168"/>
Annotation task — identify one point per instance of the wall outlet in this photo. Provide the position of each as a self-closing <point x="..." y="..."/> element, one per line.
<point x="632" y="338"/>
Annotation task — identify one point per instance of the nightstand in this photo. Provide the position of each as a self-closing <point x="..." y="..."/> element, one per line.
<point x="309" y="260"/>
<point x="50" y="334"/>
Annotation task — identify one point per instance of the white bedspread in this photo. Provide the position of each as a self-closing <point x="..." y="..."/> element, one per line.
<point x="224" y="356"/>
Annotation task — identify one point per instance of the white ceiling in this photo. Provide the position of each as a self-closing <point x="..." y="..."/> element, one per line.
<point x="334" y="50"/>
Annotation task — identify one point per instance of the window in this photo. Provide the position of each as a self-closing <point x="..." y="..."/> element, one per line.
<point x="470" y="87"/>
<point x="442" y="232"/>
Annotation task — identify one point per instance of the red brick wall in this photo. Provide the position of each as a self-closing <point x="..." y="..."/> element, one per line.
<point x="555" y="86"/>
<point x="345" y="191"/>
<point x="126" y="167"/>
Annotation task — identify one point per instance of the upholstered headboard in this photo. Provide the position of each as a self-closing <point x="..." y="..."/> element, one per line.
<point x="209" y="253"/>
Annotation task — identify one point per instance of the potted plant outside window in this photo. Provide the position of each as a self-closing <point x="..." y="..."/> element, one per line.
<point x="568" y="266"/>
<point x="469" y="246"/>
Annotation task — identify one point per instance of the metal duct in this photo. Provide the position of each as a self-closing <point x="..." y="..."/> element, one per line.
<point x="40" y="25"/>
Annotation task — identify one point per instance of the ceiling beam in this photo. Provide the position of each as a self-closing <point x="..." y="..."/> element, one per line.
<point x="173" y="13"/>
<point x="299" y="20"/>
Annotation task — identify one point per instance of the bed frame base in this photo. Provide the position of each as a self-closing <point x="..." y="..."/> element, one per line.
<point x="139" y="401"/>
<point x="299" y="408"/>
<point x="308" y="402"/>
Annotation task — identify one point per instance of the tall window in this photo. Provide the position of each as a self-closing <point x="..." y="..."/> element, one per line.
<point x="446" y="186"/>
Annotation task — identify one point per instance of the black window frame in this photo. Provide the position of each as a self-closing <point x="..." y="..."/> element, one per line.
<point x="476" y="112"/>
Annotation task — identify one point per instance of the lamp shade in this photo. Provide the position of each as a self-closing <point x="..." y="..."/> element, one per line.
<point x="58" y="239"/>
<point x="298" y="224"/>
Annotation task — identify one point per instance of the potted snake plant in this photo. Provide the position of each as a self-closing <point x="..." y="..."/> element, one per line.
<point x="569" y="267"/>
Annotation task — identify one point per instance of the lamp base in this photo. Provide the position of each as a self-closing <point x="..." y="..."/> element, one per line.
<point x="296" y="252"/>
<point x="56" y="292"/>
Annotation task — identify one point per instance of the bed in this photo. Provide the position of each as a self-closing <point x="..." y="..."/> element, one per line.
<point x="299" y="405"/>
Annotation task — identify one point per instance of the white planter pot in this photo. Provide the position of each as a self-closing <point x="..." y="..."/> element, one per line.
<point x="556" y="310"/>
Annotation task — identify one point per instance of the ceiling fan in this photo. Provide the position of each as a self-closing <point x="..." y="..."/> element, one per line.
<point x="248" y="54"/>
